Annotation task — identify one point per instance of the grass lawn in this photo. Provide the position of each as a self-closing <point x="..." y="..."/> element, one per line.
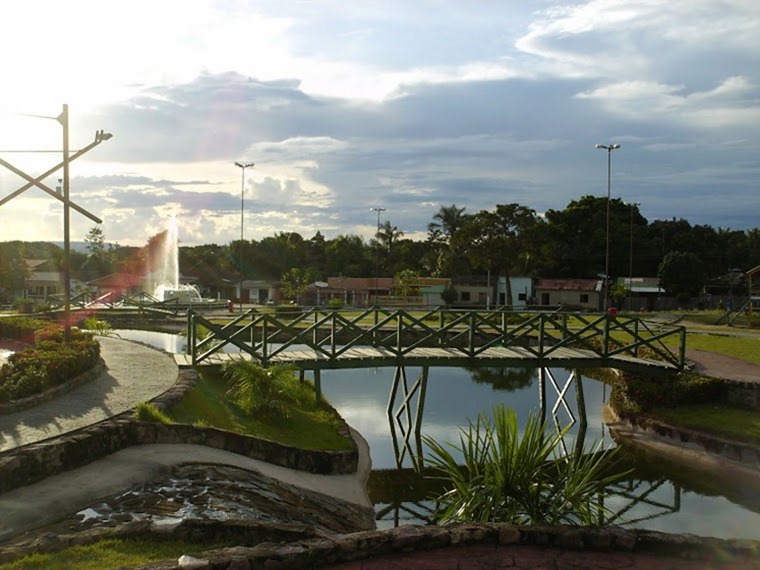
<point x="110" y="553"/>
<point x="721" y="419"/>
<point x="309" y="426"/>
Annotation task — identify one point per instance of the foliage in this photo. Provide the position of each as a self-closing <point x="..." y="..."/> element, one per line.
<point x="101" y="328"/>
<point x="293" y="283"/>
<point x="502" y="378"/>
<point x="681" y="274"/>
<point x="406" y="283"/>
<point x="335" y="304"/>
<point x="263" y="391"/>
<point x="449" y="295"/>
<point x="147" y="412"/>
<point x="519" y="480"/>
<point x="645" y="391"/>
<point x="48" y="363"/>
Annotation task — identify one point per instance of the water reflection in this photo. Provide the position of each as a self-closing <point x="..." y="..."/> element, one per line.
<point x="657" y="496"/>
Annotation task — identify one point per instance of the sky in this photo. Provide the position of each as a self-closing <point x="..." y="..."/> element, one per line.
<point x="348" y="106"/>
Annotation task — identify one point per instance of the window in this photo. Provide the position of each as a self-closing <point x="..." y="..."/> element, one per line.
<point x="522" y="296"/>
<point x="584" y="297"/>
<point x="465" y="296"/>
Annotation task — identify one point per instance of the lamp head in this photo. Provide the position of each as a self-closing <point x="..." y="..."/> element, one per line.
<point x="244" y="164"/>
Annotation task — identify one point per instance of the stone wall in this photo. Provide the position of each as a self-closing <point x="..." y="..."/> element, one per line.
<point x="322" y="552"/>
<point x="700" y="441"/>
<point x="31" y="463"/>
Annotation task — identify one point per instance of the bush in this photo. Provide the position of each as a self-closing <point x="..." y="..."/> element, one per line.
<point x="147" y="412"/>
<point x="48" y="363"/>
<point x="285" y="310"/>
<point x="335" y="304"/>
<point x="641" y="392"/>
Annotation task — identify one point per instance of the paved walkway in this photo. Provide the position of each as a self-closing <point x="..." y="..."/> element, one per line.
<point x="134" y="373"/>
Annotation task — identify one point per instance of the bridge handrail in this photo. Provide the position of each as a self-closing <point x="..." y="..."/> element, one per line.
<point x="330" y="333"/>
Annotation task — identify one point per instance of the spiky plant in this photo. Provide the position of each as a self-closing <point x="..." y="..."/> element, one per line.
<point x="258" y="390"/>
<point x="519" y="480"/>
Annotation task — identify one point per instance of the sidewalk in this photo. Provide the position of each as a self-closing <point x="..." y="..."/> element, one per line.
<point x="134" y="373"/>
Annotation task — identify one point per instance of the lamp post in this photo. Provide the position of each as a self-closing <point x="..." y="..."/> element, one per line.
<point x="377" y="253"/>
<point x="242" y="166"/>
<point x="609" y="148"/>
<point x="64" y="197"/>
<point x="630" y="256"/>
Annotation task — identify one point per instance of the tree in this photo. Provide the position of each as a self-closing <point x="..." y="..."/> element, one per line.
<point x="406" y="283"/>
<point x="494" y="240"/>
<point x="13" y="271"/>
<point x="347" y="256"/>
<point x="681" y="274"/>
<point x="293" y="284"/>
<point x="445" y="259"/>
<point x="100" y="260"/>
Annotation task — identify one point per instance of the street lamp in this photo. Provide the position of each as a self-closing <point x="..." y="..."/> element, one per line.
<point x="609" y="148"/>
<point x="64" y="197"/>
<point x="242" y="166"/>
<point x="630" y="256"/>
<point x="377" y="252"/>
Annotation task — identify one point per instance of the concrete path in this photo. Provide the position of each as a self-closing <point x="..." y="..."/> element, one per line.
<point x="134" y="373"/>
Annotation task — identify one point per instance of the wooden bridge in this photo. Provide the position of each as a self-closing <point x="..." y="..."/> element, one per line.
<point x="324" y="339"/>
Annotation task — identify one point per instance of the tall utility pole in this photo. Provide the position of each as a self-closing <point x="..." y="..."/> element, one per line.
<point x="100" y="136"/>
<point x="242" y="166"/>
<point x="630" y="256"/>
<point x="377" y="252"/>
<point x="609" y="148"/>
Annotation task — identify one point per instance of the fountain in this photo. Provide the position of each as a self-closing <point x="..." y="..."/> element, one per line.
<point x="163" y="278"/>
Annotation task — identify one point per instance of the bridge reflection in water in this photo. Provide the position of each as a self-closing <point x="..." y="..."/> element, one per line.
<point x="404" y="494"/>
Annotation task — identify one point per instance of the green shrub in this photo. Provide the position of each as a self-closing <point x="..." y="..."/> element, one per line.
<point x="147" y="412"/>
<point x="641" y="392"/>
<point x="335" y="304"/>
<point x="285" y="310"/>
<point x="49" y="362"/>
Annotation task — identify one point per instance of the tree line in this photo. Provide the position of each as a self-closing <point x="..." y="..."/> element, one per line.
<point x="510" y="239"/>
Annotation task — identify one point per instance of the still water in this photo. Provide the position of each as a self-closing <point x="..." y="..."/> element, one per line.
<point x="656" y="497"/>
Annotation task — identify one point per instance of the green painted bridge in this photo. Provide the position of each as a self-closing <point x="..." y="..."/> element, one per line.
<point x="319" y="339"/>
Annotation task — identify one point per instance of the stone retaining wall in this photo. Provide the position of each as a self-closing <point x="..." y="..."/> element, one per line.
<point x="31" y="463"/>
<point x="745" y="394"/>
<point x="321" y="552"/>
<point x="737" y="451"/>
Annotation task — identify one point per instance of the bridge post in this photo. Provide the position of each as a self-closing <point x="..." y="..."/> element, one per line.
<point x="441" y="324"/>
<point x="542" y="392"/>
<point x="318" y="383"/>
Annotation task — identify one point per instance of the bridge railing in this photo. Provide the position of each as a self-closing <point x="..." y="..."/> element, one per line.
<point x="330" y="333"/>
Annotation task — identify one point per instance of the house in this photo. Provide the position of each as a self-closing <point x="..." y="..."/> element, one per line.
<point x="522" y="291"/>
<point x="571" y="293"/>
<point x="259" y="291"/>
<point x="645" y="292"/>
<point x="113" y="286"/>
<point x="44" y="280"/>
<point x="474" y="290"/>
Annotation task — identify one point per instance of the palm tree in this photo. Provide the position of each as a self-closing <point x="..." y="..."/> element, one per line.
<point x="387" y="234"/>
<point x="516" y="480"/>
<point x="258" y="390"/>
<point x="446" y="221"/>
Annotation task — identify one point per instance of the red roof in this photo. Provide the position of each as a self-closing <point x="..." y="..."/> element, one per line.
<point x="567" y="284"/>
<point x="117" y="281"/>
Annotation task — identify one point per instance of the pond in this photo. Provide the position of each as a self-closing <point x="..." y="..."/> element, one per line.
<point x="657" y="497"/>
